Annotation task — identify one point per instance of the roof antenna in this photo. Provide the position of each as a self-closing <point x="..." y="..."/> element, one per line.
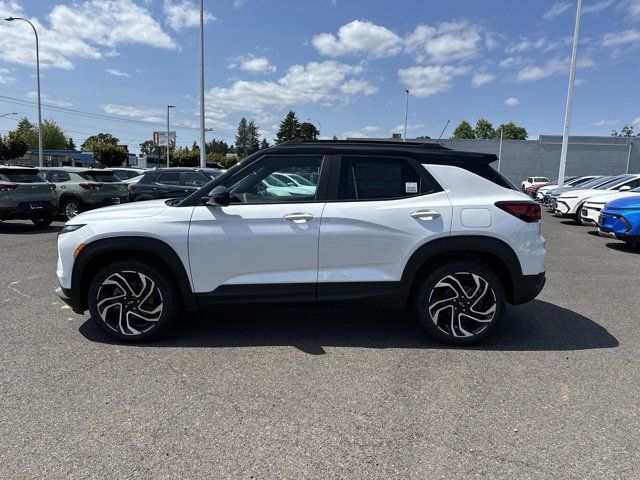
<point x="442" y="132"/>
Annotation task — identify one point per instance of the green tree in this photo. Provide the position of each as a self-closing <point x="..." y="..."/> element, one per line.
<point x="264" y="144"/>
<point x="627" y="131"/>
<point x="71" y="144"/>
<point x="511" y="131"/>
<point x="308" y="131"/>
<point x="185" y="157"/>
<point x="91" y="143"/>
<point x="484" y="129"/>
<point x="463" y="131"/>
<point x="335" y="138"/>
<point x="53" y="138"/>
<point x="11" y="147"/>
<point x="243" y="139"/>
<point x="253" y="137"/>
<point x="110" y="155"/>
<point x="289" y="128"/>
<point x="217" y="146"/>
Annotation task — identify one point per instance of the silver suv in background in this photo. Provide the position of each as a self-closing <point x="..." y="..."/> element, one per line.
<point x="26" y="195"/>
<point x="81" y="189"/>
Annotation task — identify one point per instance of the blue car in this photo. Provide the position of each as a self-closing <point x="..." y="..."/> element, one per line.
<point x="621" y="219"/>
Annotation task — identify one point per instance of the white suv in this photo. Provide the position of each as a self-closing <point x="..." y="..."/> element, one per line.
<point x="396" y="224"/>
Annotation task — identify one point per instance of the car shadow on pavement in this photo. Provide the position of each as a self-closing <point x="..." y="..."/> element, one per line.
<point x="26" y="228"/>
<point x="624" y="247"/>
<point x="533" y="327"/>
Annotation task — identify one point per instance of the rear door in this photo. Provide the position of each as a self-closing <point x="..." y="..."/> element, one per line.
<point x="169" y="185"/>
<point x="379" y="211"/>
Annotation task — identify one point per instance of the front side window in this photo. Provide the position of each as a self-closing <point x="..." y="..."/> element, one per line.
<point x="261" y="183"/>
<point x="58" y="176"/>
<point x="367" y="178"/>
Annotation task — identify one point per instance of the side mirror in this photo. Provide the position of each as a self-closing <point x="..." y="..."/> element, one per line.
<point x="625" y="188"/>
<point x="219" y="196"/>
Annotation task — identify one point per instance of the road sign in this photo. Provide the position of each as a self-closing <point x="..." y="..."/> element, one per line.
<point x="160" y="139"/>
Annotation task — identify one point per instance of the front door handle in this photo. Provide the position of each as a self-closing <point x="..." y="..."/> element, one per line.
<point x="426" y="214"/>
<point x="298" y="217"/>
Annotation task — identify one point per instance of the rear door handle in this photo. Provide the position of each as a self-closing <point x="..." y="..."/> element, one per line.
<point x="426" y="214"/>
<point x="298" y="217"/>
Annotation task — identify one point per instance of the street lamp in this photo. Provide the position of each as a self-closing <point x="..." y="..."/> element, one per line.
<point x="406" y="111"/>
<point x="11" y="19"/>
<point x="8" y="114"/>
<point x="203" y="155"/>
<point x="168" y="133"/>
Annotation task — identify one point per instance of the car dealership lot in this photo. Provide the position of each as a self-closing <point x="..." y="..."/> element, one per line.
<point x="314" y="393"/>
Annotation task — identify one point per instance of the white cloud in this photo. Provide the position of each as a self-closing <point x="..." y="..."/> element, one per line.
<point x="355" y="86"/>
<point x="410" y="128"/>
<point x="117" y="73"/>
<point x="552" y="67"/>
<point x="556" y="10"/>
<point x="364" y="132"/>
<point x="147" y="114"/>
<point x="633" y="8"/>
<point x="513" y="62"/>
<point x="57" y="102"/>
<point x="316" y="82"/>
<point x="447" y="42"/>
<point x="636" y="121"/>
<point x="512" y="102"/>
<point x="623" y="37"/>
<point x="181" y="14"/>
<point x="359" y="37"/>
<point x="604" y="122"/>
<point x="90" y="29"/>
<point x="597" y="6"/>
<point x="429" y="80"/>
<point x="480" y="79"/>
<point x="253" y="64"/>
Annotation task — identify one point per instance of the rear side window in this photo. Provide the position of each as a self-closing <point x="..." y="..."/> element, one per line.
<point x="169" y="178"/>
<point x="102" y="177"/>
<point x="367" y="178"/>
<point x="58" y="177"/>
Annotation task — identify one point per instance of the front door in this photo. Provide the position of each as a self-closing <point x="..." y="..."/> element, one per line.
<point x="264" y="245"/>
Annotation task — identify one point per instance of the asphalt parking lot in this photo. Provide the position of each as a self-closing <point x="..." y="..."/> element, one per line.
<point x="324" y="393"/>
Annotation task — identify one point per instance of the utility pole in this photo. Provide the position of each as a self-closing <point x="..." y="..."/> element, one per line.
<point x="500" y="150"/>
<point x="40" y="156"/>
<point x="168" y="133"/>
<point x="203" y="153"/>
<point x="406" y="112"/>
<point x="567" y="113"/>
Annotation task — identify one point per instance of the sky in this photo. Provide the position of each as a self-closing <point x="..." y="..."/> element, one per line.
<point x="114" y="65"/>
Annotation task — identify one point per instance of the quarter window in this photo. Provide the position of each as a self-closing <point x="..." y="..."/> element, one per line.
<point x="366" y="178"/>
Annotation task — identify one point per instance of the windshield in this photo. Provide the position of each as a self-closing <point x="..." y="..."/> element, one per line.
<point x="104" y="177"/>
<point x="274" y="182"/>
<point x="582" y="181"/>
<point x="615" y="181"/>
<point x="596" y="182"/>
<point x="300" y="180"/>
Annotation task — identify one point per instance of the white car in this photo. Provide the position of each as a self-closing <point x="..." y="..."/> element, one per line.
<point x="402" y="225"/>
<point x="574" y="182"/>
<point x="532" y="181"/>
<point x="591" y="209"/>
<point x="570" y="204"/>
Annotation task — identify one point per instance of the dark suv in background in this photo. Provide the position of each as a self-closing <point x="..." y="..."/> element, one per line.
<point x="169" y="183"/>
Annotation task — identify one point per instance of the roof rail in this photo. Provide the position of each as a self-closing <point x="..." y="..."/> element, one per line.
<point x="395" y="143"/>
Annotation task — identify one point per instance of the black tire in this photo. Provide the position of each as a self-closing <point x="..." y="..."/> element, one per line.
<point x="42" y="222"/>
<point x="70" y="208"/>
<point x="578" y="215"/>
<point x="155" y="301"/>
<point x="439" y="288"/>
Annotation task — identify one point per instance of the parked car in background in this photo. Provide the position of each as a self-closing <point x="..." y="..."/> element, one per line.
<point x="167" y="183"/>
<point x="531" y="181"/>
<point x="570" y="204"/>
<point x="26" y="195"/>
<point x="621" y="219"/>
<point x="212" y="172"/>
<point x="570" y="182"/>
<point x="406" y="225"/>
<point x="81" y="189"/>
<point x="550" y="198"/>
<point x="126" y="173"/>
<point x="594" y="205"/>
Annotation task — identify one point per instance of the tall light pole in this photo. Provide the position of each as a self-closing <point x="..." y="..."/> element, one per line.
<point x="500" y="150"/>
<point x="567" y="112"/>
<point x="406" y="113"/>
<point x="40" y="157"/>
<point x="168" y="133"/>
<point x="203" y="154"/>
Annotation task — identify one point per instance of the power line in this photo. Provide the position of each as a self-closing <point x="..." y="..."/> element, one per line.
<point x="19" y="101"/>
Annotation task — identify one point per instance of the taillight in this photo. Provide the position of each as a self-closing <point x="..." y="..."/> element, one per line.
<point x="91" y="186"/>
<point x="7" y="187"/>
<point x="52" y="186"/>
<point x="525" y="211"/>
<point x="131" y="187"/>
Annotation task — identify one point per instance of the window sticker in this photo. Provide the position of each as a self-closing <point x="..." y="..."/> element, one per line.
<point x="411" y="187"/>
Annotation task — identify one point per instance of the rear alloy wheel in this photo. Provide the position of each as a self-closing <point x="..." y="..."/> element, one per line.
<point x="131" y="301"/>
<point x="71" y="208"/>
<point x="460" y="303"/>
<point x="42" y="222"/>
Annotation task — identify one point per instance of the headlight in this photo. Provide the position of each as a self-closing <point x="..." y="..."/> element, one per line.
<point x="70" y="228"/>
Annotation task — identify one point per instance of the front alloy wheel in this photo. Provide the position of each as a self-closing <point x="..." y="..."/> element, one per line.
<point x="460" y="303"/>
<point x="131" y="301"/>
<point x="70" y="209"/>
